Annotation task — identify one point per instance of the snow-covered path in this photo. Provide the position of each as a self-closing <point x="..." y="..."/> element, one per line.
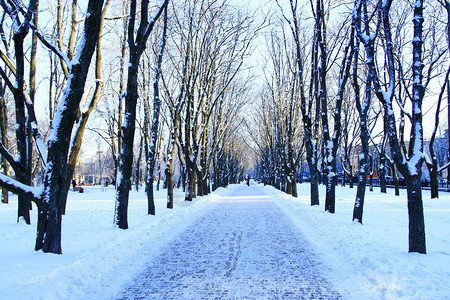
<point x="243" y="247"/>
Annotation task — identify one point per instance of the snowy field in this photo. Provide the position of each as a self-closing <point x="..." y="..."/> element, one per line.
<point x="95" y="253"/>
<point x="369" y="261"/>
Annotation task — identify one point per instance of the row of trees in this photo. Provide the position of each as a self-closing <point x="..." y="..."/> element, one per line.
<point x="320" y="96"/>
<point x="170" y="89"/>
<point x="174" y="74"/>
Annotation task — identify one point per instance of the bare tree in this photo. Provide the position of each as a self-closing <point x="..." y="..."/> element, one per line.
<point x="362" y="107"/>
<point x="310" y="129"/>
<point x="20" y="164"/>
<point x="155" y="122"/>
<point x="432" y="163"/>
<point x="136" y="44"/>
<point x="437" y="50"/>
<point x="408" y="162"/>
<point x="51" y="196"/>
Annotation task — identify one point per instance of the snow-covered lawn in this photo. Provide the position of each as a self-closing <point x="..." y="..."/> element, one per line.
<point x="370" y="261"/>
<point x="95" y="253"/>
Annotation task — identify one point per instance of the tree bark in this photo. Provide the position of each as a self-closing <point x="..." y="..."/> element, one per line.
<point x="137" y="174"/>
<point x="169" y="172"/>
<point x="136" y="46"/>
<point x="126" y="158"/>
<point x="48" y="236"/>
<point x="415" y="212"/>
<point x="382" y="173"/>
<point x="4" y="138"/>
<point x="410" y="166"/>
<point x="155" y="123"/>
<point x="311" y="151"/>
<point x="190" y="188"/>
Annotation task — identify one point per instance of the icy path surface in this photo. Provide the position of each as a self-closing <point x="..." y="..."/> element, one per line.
<point x="244" y="247"/>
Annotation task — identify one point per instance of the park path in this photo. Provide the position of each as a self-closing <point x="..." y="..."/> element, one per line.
<point x="244" y="247"/>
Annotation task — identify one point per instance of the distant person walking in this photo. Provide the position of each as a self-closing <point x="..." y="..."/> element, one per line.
<point x="74" y="184"/>
<point x="248" y="180"/>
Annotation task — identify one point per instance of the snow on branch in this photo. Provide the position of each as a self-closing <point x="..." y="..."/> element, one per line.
<point x="20" y="188"/>
<point x="30" y="107"/>
<point x="40" y="144"/>
<point x="12" y="10"/>
<point x="378" y="149"/>
<point x="444" y="167"/>
<point x="51" y="47"/>
<point x="8" y="82"/>
<point x="5" y="153"/>
<point x="152" y="22"/>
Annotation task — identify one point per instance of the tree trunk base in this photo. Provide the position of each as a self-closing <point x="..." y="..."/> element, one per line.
<point x="417" y="241"/>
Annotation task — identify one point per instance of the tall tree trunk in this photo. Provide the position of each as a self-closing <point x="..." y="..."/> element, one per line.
<point x="136" y="46"/>
<point x="334" y="141"/>
<point x="395" y="179"/>
<point x="382" y="174"/>
<point x="137" y="174"/>
<point x="158" y="182"/>
<point x="48" y="236"/>
<point x="190" y="188"/>
<point x="363" y="162"/>
<point x="314" y="188"/>
<point x="330" y="198"/>
<point x="415" y="212"/>
<point x="200" y="191"/>
<point x="434" y="184"/>
<point x="311" y="151"/>
<point x="121" y="97"/>
<point x="155" y="124"/>
<point x="191" y="191"/>
<point x="126" y="158"/>
<point x="23" y="173"/>
<point x="169" y="171"/>
<point x="409" y="166"/>
<point x="293" y="179"/>
<point x="360" y="193"/>
<point x="32" y="92"/>
<point x="4" y="138"/>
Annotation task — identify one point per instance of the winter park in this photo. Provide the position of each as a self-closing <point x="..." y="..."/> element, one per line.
<point x="225" y="149"/>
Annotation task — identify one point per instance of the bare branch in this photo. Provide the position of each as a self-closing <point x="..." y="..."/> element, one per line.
<point x="20" y="189"/>
<point x="8" y="62"/>
<point x="8" y="82"/>
<point x="50" y="46"/>
<point x="5" y="153"/>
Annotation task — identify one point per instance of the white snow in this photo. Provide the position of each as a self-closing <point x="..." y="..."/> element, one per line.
<point x="369" y="261"/>
<point x="95" y="252"/>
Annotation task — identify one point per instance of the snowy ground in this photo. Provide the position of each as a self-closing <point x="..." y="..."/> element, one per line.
<point x="368" y="261"/>
<point x="371" y="261"/>
<point x="244" y="247"/>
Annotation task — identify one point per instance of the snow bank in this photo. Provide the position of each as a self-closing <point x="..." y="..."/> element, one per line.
<point x="371" y="261"/>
